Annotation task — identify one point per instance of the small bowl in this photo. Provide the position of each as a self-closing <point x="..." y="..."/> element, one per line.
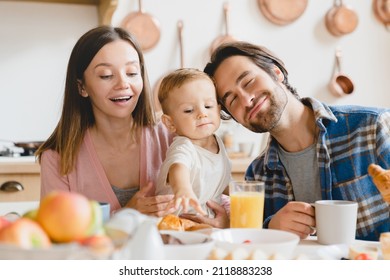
<point x="194" y="245"/>
<point x="271" y="242"/>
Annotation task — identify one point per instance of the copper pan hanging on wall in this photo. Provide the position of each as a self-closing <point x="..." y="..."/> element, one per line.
<point x="382" y="11"/>
<point x="340" y="84"/>
<point x="143" y="26"/>
<point x="341" y="19"/>
<point x="282" y="12"/>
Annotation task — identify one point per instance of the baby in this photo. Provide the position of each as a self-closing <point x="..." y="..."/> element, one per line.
<point x="196" y="168"/>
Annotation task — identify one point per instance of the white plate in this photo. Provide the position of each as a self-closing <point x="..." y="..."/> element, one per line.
<point x="196" y="245"/>
<point x="341" y="251"/>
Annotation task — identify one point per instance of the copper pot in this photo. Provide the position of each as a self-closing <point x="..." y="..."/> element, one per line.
<point x="341" y="19"/>
<point x="382" y="11"/>
<point x="340" y="84"/>
<point x="144" y="27"/>
<point x="282" y="12"/>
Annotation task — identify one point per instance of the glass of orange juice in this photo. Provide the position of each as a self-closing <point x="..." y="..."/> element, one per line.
<point x="246" y="204"/>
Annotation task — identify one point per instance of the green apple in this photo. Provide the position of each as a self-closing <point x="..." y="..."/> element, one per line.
<point x="31" y="214"/>
<point x="96" y="224"/>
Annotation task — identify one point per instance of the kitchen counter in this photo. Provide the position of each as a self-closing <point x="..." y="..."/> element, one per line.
<point x="25" y="171"/>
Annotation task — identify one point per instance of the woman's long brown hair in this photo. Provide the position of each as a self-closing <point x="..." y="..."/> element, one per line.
<point x="77" y="115"/>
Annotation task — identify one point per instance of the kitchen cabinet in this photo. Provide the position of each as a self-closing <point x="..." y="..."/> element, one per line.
<point x="106" y="8"/>
<point x="26" y="173"/>
<point x="239" y="166"/>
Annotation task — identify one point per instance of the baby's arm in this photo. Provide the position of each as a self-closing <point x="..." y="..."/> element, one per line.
<point x="179" y="180"/>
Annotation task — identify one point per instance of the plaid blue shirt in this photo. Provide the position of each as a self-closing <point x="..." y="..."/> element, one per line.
<point x="350" y="139"/>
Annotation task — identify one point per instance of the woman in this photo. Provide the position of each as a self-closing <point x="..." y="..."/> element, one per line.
<point x="107" y="144"/>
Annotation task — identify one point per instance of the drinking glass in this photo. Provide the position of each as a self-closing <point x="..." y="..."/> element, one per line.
<point x="246" y="204"/>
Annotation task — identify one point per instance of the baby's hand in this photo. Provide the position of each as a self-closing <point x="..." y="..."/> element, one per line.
<point x="188" y="199"/>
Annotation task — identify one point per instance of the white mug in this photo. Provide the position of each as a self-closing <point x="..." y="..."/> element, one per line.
<point x="335" y="221"/>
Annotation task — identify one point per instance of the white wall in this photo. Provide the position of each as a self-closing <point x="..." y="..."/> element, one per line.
<point x="36" y="40"/>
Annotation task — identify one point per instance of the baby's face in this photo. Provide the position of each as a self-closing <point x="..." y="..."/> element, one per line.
<point x="194" y="110"/>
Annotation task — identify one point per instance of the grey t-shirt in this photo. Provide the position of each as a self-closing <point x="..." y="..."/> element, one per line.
<point x="302" y="168"/>
<point x="124" y="195"/>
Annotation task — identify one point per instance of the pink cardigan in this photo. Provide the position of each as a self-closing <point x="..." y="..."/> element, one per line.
<point x="88" y="176"/>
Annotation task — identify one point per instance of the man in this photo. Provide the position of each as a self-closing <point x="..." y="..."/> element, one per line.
<point x="315" y="151"/>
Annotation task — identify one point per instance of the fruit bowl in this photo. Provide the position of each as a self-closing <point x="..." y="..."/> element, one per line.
<point x="57" y="252"/>
<point x="271" y="242"/>
<point x="186" y="245"/>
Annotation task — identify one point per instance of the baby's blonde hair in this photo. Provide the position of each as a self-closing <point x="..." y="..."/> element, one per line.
<point x="176" y="79"/>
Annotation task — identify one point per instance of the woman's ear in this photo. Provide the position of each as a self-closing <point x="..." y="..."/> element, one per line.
<point x="82" y="90"/>
<point x="279" y="74"/>
<point x="167" y="121"/>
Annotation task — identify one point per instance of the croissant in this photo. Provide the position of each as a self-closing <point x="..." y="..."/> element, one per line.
<point x="381" y="179"/>
<point x="173" y="222"/>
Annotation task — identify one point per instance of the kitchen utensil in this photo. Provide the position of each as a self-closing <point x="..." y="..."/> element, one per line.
<point x="224" y="38"/>
<point x="382" y="11"/>
<point x="341" y="19"/>
<point x="340" y="84"/>
<point x="282" y="12"/>
<point x="157" y="85"/>
<point x="29" y="147"/>
<point x="144" y="27"/>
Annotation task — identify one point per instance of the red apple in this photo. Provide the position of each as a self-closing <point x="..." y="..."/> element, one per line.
<point x="66" y="216"/>
<point x="4" y="222"/>
<point x="100" y="245"/>
<point x="25" y="233"/>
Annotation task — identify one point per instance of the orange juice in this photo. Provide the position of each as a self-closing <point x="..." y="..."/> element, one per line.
<point x="246" y="209"/>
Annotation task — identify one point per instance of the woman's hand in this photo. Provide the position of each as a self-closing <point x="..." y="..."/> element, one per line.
<point x="296" y="217"/>
<point x="151" y="205"/>
<point x="221" y="219"/>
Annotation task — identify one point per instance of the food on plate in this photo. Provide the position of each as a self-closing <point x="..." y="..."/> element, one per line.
<point x="242" y="254"/>
<point x="170" y="222"/>
<point x="363" y="252"/>
<point x="237" y="254"/>
<point x="173" y="222"/>
<point x="24" y="233"/>
<point x="381" y="179"/>
<point x="258" y="254"/>
<point x="384" y="240"/>
<point x="68" y="217"/>
<point x="363" y="256"/>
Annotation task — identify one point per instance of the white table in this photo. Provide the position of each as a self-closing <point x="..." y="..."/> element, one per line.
<point x="310" y="249"/>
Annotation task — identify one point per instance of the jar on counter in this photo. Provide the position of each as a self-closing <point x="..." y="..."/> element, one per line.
<point x="228" y="141"/>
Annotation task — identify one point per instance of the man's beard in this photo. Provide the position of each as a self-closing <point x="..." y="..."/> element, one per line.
<point x="267" y="122"/>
